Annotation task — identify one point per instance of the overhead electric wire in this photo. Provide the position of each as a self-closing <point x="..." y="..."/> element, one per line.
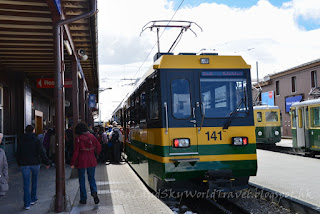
<point x="159" y="38"/>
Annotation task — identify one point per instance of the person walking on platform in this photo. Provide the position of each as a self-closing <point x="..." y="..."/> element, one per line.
<point x="69" y="144"/>
<point x="116" y="137"/>
<point x="30" y="152"/>
<point x="84" y="159"/>
<point x="104" y="145"/>
<point x="4" y="176"/>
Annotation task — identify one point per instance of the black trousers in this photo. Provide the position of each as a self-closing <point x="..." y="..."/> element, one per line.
<point x="116" y="150"/>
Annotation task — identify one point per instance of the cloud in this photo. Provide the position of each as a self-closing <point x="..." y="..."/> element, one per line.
<point x="263" y="32"/>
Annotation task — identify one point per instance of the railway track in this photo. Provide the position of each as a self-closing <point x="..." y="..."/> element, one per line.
<point x="287" y="150"/>
<point x="204" y="206"/>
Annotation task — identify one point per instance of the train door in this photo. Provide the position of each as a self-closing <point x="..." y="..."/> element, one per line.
<point x="301" y="142"/>
<point x="181" y="119"/>
<point x="306" y="126"/>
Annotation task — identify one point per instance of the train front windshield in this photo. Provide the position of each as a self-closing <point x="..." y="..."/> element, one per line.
<point x="222" y="97"/>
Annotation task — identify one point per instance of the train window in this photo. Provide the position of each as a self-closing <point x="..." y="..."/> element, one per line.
<point x="153" y="104"/>
<point x="294" y="121"/>
<point x="271" y="116"/>
<point x="181" y="101"/>
<point x="221" y="96"/>
<point x="307" y="117"/>
<point x="315" y="116"/>
<point x="300" y="122"/>
<point x="259" y="116"/>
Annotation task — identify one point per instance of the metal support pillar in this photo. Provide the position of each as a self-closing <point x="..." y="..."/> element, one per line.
<point x="81" y="101"/>
<point x="60" y="198"/>
<point x="75" y="93"/>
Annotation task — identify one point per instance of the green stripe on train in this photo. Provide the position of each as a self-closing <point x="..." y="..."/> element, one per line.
<point x="220" y="149"/>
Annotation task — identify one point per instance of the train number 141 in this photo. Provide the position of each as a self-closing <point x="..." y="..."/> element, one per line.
<point x="214" y="135"/>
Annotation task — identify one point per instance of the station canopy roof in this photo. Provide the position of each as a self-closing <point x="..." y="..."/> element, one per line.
<point x="26" y="37"/>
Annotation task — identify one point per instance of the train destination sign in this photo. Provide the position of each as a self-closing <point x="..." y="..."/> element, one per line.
<point x="49" y="83"/>
<point x="221" y="73"/>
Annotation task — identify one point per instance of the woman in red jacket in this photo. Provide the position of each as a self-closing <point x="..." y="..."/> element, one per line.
<point x="84" y="159"/>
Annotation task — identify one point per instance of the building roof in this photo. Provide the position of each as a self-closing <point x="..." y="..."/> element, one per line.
<point x="26" y="38"/>
<point x="296" y="68"/>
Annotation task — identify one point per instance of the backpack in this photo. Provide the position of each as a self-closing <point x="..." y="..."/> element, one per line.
<point x="115" y="137"/>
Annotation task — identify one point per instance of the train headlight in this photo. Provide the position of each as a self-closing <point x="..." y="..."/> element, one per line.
<point x="181" y="142"/>
<point x="259" y="133"/>
<point x="240" y="141"/>
<point x="276" y="133"/>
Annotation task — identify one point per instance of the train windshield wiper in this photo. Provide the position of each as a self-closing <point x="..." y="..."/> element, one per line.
<point x="234" y="113"/>
<point x="203" y="115"/>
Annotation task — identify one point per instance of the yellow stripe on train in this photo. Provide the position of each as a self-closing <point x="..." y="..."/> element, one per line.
<point x="207" y="135"/>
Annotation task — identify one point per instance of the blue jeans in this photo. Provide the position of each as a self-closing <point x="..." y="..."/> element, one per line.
<point x="82" y="181"/>
<point x="27" y="197"/>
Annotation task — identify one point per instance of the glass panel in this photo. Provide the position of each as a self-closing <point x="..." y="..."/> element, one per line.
<point x="1" y="120"/>
<point x="222" y="96"/>
<point x="294" y="123"/>
<point x="315" y="117"/>
<point x="300" y="124"/>
<point x="271" y="116"/>
<point x="1" y="96"/>
<point x="307" y="117"/>
<point x="259" y="116"/>
<point x="181" y="103"/>
<point x="153" y="106"/>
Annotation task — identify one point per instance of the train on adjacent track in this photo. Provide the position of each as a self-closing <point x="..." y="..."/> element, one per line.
<point x="268" y="124"/>
<point x="305" y="120"/>
<point x="189" y="123"/>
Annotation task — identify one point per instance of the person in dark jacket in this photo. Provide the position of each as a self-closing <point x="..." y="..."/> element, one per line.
<point x="84" y="159"/>
<point x="30" y="153"/>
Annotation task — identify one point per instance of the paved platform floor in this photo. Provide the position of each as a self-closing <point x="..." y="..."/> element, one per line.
<point x="12" y="202"/>
<point x="295" y="176"/>
<point x="119" y="189"/>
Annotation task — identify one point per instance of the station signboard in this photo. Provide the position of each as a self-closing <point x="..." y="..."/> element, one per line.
<point x="267" y="98"/>
<point x="291" y="100"/>
<point x="49" y="83"/>
<point x="92" y="100"/>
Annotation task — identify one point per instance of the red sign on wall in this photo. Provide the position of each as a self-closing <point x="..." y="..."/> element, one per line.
<point x="49" y="83"/>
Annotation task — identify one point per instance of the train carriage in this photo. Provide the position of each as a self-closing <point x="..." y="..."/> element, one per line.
<point x="189" y="123"/>
<point x="267" y="123"/>
<point x="305" y="118"/>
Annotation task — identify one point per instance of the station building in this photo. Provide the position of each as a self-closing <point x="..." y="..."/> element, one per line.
<point x="286" y="87"/>
<point x="28" y="60"/>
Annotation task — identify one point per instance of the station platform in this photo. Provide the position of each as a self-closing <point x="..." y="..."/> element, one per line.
<point x="285" y="143"/>
<point x="291" y="175"/>
<point x="120" y="191"/>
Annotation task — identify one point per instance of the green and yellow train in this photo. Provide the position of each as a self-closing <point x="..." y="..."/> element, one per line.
<point x="189" y="123"/>
<point x="305" y="118"/>
<point x="267" y="123"/>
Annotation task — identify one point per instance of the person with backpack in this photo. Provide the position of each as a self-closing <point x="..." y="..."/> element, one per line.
<point x="116" y="138"/>
<point x="86" y="148"/>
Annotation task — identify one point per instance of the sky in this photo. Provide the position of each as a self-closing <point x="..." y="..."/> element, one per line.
<point x="278" y="34"/>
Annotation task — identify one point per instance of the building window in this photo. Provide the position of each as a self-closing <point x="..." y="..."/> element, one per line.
<point x="293" y="84"/>
<point x="313" y="79"/>
<point x="277" y="88"/>
<point x="1" y="109"/>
